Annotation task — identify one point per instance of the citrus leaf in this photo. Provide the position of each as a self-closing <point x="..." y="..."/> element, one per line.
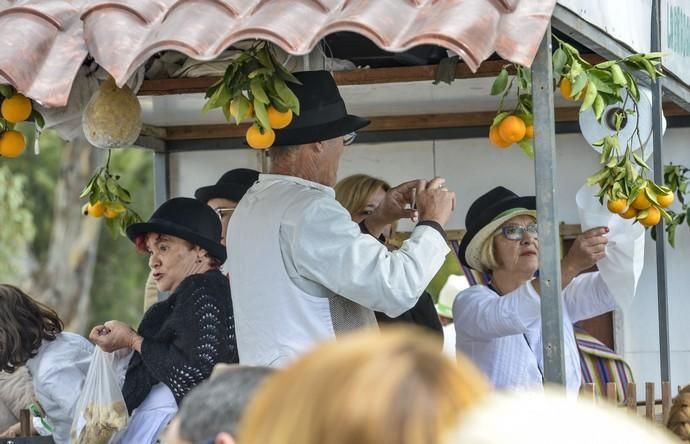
<point x="527" y="147"/>
<point x="261" y="114"/>
<point x="590" y="96"/>
<point x="578" y="85"/>
<point x="6" y="90"/>
<point x="265" y="58"/>
<point x="605" y="65"/>
<point x="671" y="232"/>
<point x="499" y="118"/>
<point x="258" y="91"/>
<point x="598" y="107"/>
<point x="596" y="177"/>
<point x="286" y="94"/>
<point x="38" y="118"/>
<point x="640" y="161"/>
<point x="260" y="71"/>
<point x="559" y="60"/>
<point x="500" y="83"/>
<point x="618" y="76"/>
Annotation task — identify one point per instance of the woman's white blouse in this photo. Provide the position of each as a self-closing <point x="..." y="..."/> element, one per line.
<point x="502" y="334"/>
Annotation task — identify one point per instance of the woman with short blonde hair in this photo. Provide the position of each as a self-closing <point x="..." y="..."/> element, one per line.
<point x="369" y="388"/>
<point x="358" y="194"/>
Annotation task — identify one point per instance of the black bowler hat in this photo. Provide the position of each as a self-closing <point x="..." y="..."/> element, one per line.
<point x="322" y="112"/>
<point x="231" y="185"/>
<point x="188" y="219"/>
<point x="485" y="216"/>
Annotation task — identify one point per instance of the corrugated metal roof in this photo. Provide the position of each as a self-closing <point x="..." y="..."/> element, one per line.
<point x="44" y="41"/>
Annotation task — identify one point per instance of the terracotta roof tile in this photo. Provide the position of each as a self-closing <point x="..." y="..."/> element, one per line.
<point x="122" y="34"/>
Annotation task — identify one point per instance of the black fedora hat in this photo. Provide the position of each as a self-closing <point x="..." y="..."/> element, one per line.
<point x="485" y="216"/>
<point x="322" y="115"/>
<point x="188" y="219"/>
<point x="232" y="185"/>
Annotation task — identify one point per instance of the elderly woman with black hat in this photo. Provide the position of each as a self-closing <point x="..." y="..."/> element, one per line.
<point x="499" y="325"/>
<point x="181" y="338"/>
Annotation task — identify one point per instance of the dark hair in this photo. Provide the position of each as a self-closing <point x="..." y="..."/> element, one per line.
<point x="24" y="324"/>
<point x="217" y="404"/>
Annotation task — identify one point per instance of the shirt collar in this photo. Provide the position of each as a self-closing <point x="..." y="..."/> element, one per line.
<point x="266" y="179"/>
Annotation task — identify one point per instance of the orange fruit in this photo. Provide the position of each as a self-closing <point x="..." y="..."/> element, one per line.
<point x="566" y="87"/>
<point x="665" y="200"/>
<point x="111" y="213"/>
<point x="653" y="217"/>
<point x="617" y="206"/>
<point x="12" y="143"/>
<point x="641" y="202"/>
<point x="630" y="213"/>
<point x="16" y="109"/>
<point x="512" y="129"/>
<point x="496" y="139"/>
<point x="259" y="138"/>
<point x="277" y="119"/>
<point x="95" y="210"/>
<point x="529" y="132"/>
<point x="233" y="108"/>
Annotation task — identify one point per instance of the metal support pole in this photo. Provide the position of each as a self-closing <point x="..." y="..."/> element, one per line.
<point x="549" y="240"/>
<point x="661" y="275"/>
<point x="161" y="178"/>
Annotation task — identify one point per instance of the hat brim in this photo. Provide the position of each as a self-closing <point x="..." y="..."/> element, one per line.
<point x="311" y="134"/>
<point x="473" y="250"/>
<point x="215" y="249"/>
<point x="228" y="191"/>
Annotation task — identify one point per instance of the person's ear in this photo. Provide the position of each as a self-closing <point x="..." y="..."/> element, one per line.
<point x="318" y="147"/>
<point x="224" y="438"/>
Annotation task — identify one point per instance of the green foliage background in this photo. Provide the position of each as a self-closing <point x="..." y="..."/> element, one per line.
<point x="26" y="207"/>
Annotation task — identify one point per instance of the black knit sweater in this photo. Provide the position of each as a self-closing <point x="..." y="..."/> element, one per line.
<point x="184" y="337"/>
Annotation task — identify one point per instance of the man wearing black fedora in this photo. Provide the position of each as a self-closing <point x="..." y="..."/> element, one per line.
<point x="226" y="193"/>
<point x="302" y="270"/>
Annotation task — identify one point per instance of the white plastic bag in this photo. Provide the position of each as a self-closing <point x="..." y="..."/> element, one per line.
<point x="100" y="411"/>
<point x="622" y="266"/>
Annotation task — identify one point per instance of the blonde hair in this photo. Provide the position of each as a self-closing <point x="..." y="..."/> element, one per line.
<point x="353" y="191"/>
<point x="679" y="416"/>
<point x="368" y="388"/>
<point x="487" y="255"/>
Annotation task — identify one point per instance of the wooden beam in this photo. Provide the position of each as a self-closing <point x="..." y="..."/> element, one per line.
<point x="378" y="123"/>
<point x="489" y="68"/>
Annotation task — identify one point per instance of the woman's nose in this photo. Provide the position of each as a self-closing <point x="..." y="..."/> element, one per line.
<point x="153" y="261"/>
<point x="528" y="238"/>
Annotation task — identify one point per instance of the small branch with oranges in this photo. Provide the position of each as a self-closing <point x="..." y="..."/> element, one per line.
<point x="516" y="126"/>
<point x="15" y="108"/>
<point x="255" y="87"/>
<point x="109" y="200"/>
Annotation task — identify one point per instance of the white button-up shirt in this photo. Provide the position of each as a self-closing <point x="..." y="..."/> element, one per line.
<point x="502" y="334"/>
<point x="293" y="250"/>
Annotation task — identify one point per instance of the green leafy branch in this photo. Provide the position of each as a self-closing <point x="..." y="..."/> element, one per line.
<point x="254" y="82"/>
<point x="108" y="199"/>
<point x="676" y="179"/>
<point x="503" y="85"/>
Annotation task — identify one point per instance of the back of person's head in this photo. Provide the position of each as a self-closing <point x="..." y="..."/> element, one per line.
<point x="24" y="324"/>
<point x="549" y="417"/>
<point x="353" y="192"/>
<point x="216" y="405"/>
<point x="393" y="387"/>
<point x="679" y="416"/>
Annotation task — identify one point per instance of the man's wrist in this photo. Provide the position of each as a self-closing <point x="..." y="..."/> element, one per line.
<point x="435" y="225"/>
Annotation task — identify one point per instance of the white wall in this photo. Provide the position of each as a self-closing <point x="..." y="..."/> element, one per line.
<point x="473" y="166"/>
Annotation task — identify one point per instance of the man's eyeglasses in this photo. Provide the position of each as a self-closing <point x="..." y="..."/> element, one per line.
<point x="517" y="232"/>
<point x="223" y="211"/>
<point x="348" y="139"/>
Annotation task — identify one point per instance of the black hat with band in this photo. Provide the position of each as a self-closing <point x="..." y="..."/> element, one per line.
<point x="323" y="115"/>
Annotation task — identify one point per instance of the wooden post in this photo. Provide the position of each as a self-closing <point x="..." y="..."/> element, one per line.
<point x="588" y="392"/>
<point x="632" y="397"/>
<point x="665" y="400"/>
<point x="24" y="422"/>
<point x="611" y="392"/>
<point x="649" y="400"/>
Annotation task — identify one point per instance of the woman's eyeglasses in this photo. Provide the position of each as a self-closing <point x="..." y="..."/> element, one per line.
<point x="517" y="232"/>
<point x="348" y="139"/>
<point x="223" y="211"/>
